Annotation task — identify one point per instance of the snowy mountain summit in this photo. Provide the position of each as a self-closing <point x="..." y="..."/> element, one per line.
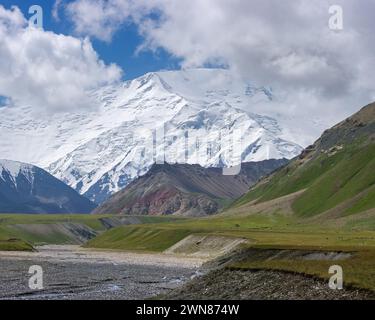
<point x="198" y="116"/>
<point x="10" y="170"/>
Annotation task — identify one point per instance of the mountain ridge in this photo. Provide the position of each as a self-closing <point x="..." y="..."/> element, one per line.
<point x="99" y="151"/>
<point x="183" y="189"/>
<point x="25" y="188"/>
<point x="335" y="175"/>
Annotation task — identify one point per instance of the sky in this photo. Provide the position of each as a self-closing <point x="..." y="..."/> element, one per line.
<point x="122" y="49"/>
<point x="287" y="45"/>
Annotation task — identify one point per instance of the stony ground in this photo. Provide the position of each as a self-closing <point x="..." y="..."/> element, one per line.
<point x="75" y="253"/>
<point x="71" y="272"/>
<point x="254" y="285"/>
<point x="67" y="280"/>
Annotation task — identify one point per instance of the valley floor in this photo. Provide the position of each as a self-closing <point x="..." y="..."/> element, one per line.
<point x="77" y="254"/>
<point x="244" y="256"/>
<point x="71" y="272"/>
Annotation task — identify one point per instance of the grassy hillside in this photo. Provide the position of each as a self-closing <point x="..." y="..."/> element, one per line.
<point x="89" y="220"/>
<point x="328" y="180"/>
<point x="153" y="239"/>
<point x="9" y="243"/>
<point x="21" y="232"/>
<point x="353" y="173"/>
<point x="15" y="245"/>
<point x="336" y="173"/>
<point x="273" y="231"/>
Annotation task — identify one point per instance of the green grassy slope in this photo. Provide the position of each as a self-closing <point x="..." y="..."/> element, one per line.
<point x="14" y="234"/>
<point x="328" y="180"/>
<point x="351" y="175"/>
<point x="9" y="243"/>
<point x="140" y="239"/>
<point x="339" y="169"/>
<point x="272" y="231"/>
<point x="15" y="245"/>
<point x="289" y="179"/>
<point x="89" y="220"/>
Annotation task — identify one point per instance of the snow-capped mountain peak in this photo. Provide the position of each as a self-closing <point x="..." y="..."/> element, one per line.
<point x="191" y="116"/>
<point x="12" y="169"/>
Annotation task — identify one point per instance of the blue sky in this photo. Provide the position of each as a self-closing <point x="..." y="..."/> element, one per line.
<point x="120" y="50"/>
<point x="286" y="45"/>
<point x="3" y="101"/>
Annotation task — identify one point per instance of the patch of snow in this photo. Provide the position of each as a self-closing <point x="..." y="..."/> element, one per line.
<point x="101" y="151"/>
<point x="14" y="169"/>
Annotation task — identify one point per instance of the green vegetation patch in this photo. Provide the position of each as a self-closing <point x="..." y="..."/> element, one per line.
<point x="358" y="271"/>
<point x="15" y="245"/>
<point x="352" y="175"/>
<point x="366" y="202"/>
<point x="259" y="230"/>
<point x="138" y="238"/>
<point x="291" y="178"/>
<point x="328" y="180"/>
<point x="91" y="221"/>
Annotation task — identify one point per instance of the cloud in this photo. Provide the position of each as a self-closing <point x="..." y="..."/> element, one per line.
<point x="47" y="71"/>
<point x="56" y="8"/>
<point x="285" y="44"/>
<point x="98" y="18"/>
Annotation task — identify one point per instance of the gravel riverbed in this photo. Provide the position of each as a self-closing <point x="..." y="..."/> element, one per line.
<point x="70" y="272"/>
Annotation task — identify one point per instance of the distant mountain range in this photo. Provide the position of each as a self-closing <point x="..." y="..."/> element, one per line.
<point x="333" y="178"/>
<point x="100" y="151"/>
<point x="183" y="189"/>
<point x="25" y="188"/>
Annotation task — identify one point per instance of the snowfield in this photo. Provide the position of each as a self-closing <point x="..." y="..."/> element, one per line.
<point x="204" y="116"/>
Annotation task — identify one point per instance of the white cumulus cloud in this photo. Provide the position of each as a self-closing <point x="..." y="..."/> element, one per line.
<point x="47" y="71"/>
<point x="284" y="44"/>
